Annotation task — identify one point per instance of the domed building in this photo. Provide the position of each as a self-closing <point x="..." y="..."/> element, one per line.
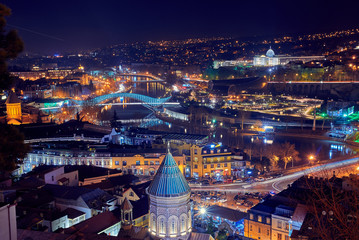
<point x="270" y="52"/>
<point x="170" y="206"/>
<point x="268" y="60"/>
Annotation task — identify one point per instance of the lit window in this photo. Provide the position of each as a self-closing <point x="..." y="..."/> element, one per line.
<point x="279" y="224"/>
<point x="268" y="220"/>
<point x="117" y="163"/>
<point x="251" y="216"/>
<point x="259" y="218"/>
<point x="138" y="163"/>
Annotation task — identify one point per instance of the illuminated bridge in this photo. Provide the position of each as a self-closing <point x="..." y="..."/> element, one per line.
<point x="135" y="77"/>
<point x="146" y="101"/>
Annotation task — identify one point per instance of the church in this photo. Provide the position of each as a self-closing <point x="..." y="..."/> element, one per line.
<point x="170" y="204"/>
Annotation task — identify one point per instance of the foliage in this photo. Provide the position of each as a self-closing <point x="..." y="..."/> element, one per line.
<point x="210" y="227"/>
<point x="287" y="153"/>
<point x="10" y="46"/>
<point x="12" y="148"/>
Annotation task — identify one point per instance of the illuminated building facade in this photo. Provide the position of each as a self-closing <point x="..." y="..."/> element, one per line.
<point x="13" y="109"/>
<point x="210" y="160"/>
<point x="170" y="205"/>
<point x="270" y="59"/>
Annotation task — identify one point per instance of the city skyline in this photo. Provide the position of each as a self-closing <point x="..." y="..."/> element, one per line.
<point x="48" y="28"/>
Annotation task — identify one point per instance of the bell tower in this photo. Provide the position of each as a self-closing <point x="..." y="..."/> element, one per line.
<point x="13" y="109"/>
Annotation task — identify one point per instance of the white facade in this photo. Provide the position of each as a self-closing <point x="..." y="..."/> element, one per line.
<point x="8" y="227"/>
<point x="170" y="217"/>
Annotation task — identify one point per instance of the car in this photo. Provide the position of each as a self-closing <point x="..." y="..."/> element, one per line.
<point x="229" y="181"/>
<point x="218" y="182"/>
<point x="238" y="180"/>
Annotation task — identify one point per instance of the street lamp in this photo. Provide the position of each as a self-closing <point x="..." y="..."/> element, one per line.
<point x="202" y="210"/>
<point x="311" y="158"/>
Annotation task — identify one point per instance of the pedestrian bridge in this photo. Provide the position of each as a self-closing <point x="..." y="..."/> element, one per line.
<point x="146" y="101"/>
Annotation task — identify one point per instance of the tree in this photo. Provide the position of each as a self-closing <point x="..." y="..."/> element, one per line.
<point x="287" y="153"/>
<point x="10" y="46"/>
<point x="12" y="146"/>
<point x="12" y="149"/>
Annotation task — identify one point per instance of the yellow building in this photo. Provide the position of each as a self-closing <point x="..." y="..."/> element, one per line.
<point x="144" y="165"/>
<point x="13" y="109"/>
<point x="210" y="160"/>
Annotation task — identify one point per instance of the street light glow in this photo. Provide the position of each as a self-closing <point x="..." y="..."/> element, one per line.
<point x="202" y="210"/>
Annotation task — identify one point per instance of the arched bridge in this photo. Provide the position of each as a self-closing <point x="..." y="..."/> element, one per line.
<point x="147" y="101"/>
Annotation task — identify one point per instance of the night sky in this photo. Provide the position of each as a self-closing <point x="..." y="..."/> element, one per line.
<point x="56" y="26"/>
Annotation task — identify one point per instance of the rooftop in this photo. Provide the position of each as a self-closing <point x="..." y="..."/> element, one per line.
<point x="169" y="181"/>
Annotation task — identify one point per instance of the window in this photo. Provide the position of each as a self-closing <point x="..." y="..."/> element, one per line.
<point x="173" y="226"/>
<point x="250" y="228"/>
<point x="259" y="230"/>
<point x="279" y="236"/>
<point x="212" y="165"/>
<point x="225" y="165"/>
<point x="179" y="163"/>
<point x="196" y="159"/>
<point x="195" y="151"/>
<point x="157" y="163"/>
<point x="183" y="227"/>
<point x="286" y="237"/>
<point x="162" y="226"/>
<point x="225" y="150"/>
<point x="131" y="194"/>
<point x="152" y="162"/>
<point x="124" y="163"/>
<point x="212" y="151"/>
<point x="259" y="218"/>
<point x="195" y="166"/>
<point x="286" y="226"/>
<point x="204" y="151"/>
<point x="52" y="178"/>
<point x="146" y="162"/>
<point x="218" y="165"/>
<point x="117" y="163"/>
<point x="251" y="216"/>
<point x="279" y="224"/>
<point x="268" y="232"/>
<point x="268" y="220"/>
<point x="205" y="166"/>
<point x="138" y="163"/>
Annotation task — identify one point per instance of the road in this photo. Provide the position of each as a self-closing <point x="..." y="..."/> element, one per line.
<point x="280" y="183"/>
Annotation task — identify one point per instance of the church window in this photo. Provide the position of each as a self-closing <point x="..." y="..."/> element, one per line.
<point x="162" y="226"/>
<point x="173" y="226"/>
<point x="183" y="227"/>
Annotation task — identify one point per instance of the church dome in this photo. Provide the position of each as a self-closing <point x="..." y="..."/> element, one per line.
<point x="169" y="180"/>
<point x="270" y="53"/>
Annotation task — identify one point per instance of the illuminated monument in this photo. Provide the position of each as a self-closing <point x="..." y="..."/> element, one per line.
<point x="270" y="59"/>
<point x="170" y="206"/>
<point x="13" y="109"/>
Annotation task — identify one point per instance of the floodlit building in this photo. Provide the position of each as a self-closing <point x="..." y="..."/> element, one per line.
<point x="270" y="59"/>
<point x="170" y="206"/>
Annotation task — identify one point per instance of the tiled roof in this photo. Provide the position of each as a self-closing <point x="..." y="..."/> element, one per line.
<point x="169" y="181"/>
<point x="13" y="98"/>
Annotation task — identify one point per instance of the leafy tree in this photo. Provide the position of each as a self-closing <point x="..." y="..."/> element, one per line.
<point x="12" y="146"/>
<point x="10" y="46"/>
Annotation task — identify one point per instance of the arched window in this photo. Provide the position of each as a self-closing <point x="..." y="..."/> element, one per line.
<point x="183" y="228"/>
<point x="154" y="223"/>
<point x="173" y="226"/>
<point x="162" y="226"/>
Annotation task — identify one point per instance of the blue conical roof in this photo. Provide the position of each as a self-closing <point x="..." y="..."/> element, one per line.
<point x="169" y="181"/>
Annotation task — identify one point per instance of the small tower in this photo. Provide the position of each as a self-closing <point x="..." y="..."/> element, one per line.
<point x="126" y="212"/>
<point x="13" y="109"/>
<point x="170" y="205"/>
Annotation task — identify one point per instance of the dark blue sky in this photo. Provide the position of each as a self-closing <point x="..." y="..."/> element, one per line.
<point x="55" y="26"/>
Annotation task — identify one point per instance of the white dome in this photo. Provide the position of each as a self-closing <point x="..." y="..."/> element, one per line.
<point x="270" y="53"/>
